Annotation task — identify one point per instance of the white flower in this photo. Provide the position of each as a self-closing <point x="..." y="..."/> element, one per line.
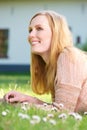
<point x="50" y="115"/>
<point x="23" y="107"/>
<point x="25" y="103"/>
<point x="54" y="109"/>
<point x="75" y="115"/>
<point x="44" y="119"/>
<point x="32" y="122"/>
<point x="44" y="104"/>
<point x="4" y="113"/>
<point x="62" y="116"/>
<point x="72" y="114"/>
<point x="78" y="117"/>
<point x="85" y="113"/>
<point x="53" y="122"/>
<point x="36" y="118"/>
<point x="23" y="116"/>
<point x="61" y="105"/>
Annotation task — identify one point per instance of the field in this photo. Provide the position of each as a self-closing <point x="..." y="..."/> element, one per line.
<point x="24" y="117"/>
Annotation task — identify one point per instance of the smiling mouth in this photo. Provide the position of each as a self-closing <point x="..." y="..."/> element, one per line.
<point x="34" y="43"/>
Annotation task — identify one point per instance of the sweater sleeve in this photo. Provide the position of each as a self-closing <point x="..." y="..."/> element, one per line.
<point x="69" y="78"/>
<point x="82" y="99"/>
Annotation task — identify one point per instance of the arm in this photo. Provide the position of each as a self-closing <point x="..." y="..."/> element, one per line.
<point x="82" y="100"/>
<point x="67" y="95"/>
<point x="68" y="80"/>
<point x="15" y="97"/>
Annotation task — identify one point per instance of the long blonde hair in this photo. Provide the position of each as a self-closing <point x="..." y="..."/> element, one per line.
<point x="43" y="75"/>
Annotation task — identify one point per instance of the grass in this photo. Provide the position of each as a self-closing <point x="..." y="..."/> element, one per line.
<point x="19" y="83"/>
<point x="24" y="117"/>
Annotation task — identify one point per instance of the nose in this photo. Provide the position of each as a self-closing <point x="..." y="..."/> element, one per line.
<point x="32" y="34"/>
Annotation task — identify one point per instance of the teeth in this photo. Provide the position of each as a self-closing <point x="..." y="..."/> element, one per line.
<point x="33" y="43"/>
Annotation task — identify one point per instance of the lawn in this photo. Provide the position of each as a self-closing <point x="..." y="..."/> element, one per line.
<point x="24" y="117"/>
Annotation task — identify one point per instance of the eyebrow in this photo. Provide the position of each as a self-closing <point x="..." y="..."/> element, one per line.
<point x="35" y="25"/>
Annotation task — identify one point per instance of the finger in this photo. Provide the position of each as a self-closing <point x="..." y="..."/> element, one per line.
<point x="8" y="96"/>
<point x="13" y="100"/>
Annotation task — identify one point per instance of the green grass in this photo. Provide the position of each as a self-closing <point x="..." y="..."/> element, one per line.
<point x="19" y="83"/>
<point x="21" y="117"/>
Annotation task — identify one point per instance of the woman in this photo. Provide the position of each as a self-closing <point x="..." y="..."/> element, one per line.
<point x="57" y="67"/>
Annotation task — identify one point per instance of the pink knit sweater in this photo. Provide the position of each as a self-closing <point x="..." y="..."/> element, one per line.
<point x="71" y="80"/>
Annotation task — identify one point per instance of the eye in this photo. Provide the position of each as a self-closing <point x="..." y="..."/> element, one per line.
<point x="39" y="28"/>
<point x="30" y="30"/>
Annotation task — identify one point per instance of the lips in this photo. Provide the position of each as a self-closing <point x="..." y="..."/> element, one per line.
<point x="35" y="42"/>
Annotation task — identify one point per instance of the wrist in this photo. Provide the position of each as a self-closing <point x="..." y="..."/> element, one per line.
<point x="30" y="99"/>
<point x="33" y="100"/>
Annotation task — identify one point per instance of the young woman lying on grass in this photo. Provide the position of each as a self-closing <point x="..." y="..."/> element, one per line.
<point x="57" y="67"/>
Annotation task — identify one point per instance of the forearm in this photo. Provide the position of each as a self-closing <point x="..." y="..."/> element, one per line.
<point x="17" y="97"/>
<point x="32" y="100"/>
<point x="64" y="94"/>
<point x="82" y="100"/>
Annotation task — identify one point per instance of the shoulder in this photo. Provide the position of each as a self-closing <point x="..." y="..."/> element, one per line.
<point x="72" y="63"/>
<point x="72" y="55"/>
<point x="71" y="67"/>
<point x="68" y="54"/>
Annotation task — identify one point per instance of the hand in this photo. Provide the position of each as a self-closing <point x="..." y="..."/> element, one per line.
<point x="17" y="97"/>
<point x="14" y="97"/>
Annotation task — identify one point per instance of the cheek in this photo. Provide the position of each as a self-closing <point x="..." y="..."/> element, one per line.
<point x="48" y="40"/>
<point x="48" y="36"/>
<point x="47" y="43"/>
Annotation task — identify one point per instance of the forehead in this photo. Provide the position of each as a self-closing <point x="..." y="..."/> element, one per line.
<point x="39" y="19"/>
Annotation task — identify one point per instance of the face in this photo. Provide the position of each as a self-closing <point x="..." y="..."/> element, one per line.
<point x="40" y="35"/>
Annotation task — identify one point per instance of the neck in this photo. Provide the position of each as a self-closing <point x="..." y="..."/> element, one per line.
<point x="45" y="57"/>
